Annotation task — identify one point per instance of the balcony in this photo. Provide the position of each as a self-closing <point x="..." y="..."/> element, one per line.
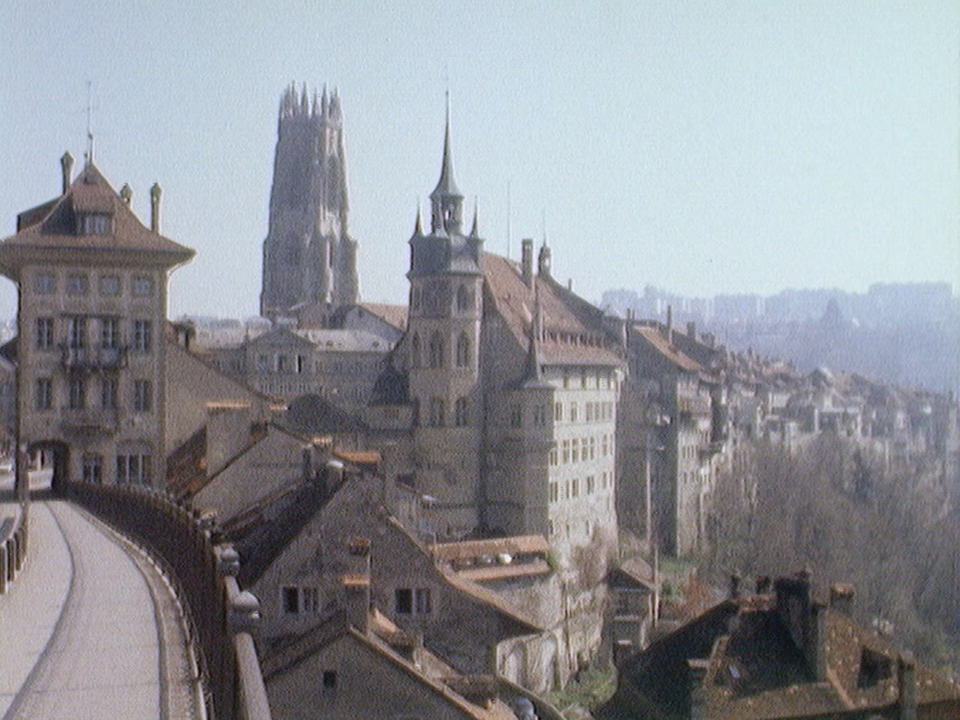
<point x="93" y="358"/>
<point x="693" y="406"/>
<point x="90" y="421"/>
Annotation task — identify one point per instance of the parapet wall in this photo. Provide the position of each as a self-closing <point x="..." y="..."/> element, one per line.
<point x="203" y="574"/>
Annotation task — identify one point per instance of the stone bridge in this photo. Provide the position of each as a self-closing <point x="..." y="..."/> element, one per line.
<point x="117" y="603"/>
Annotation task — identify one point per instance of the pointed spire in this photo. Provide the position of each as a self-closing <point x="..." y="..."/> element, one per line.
<point x="324" y="104"/>
<point x="446" y="185"/>
<point x="418" y="228"/>
<point x="474" y="230"/>
<point x="305" y="101"/>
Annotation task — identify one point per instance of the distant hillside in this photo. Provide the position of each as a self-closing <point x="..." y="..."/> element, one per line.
<point x="905" y="334"/>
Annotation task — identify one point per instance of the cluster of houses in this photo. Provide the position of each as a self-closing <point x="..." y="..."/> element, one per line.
<point x="432" y="495"/>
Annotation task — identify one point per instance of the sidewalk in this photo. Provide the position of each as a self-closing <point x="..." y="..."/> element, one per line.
<point x="29" y="611"/>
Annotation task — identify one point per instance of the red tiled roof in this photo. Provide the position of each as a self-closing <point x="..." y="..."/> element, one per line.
<point x="469" y="549"/>
<point x="90" y="192"/>
<point x="668" y="351"/>
<point x="395" y="315"/>
<point x="573" y="328"/>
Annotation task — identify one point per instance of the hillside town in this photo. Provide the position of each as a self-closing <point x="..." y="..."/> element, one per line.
<point x="466" y="504"/>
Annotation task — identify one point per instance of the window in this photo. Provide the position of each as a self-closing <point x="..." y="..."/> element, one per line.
<point x="92" y="468"/>
<point x="109" y="333"/>
<point x="589" y="409"/>
<point x="263" y="362"/>
<point x="283" y="364"/>
<point x="301" y="364"/>
<point x="436" y="351"/>
<point x="415" y="358"/>
<point x="604" y="446"/>
<point x="573" y="412"/>
<point x="575" y="454"/>
<point x="583" y="379"/>
<point x="557" y="412"/>
<point x="142" y="396"/>
<point x="463" y="350"/>
<point x="290" y="597"/>
<point x="108" y="393"/>
<point x="422" y="601"/>
<point x="134" y="468"/>
<point x="142" y="336"/>
<point x="329" y="679"/>
<point x="460" y="412"/>
<point x="78" y="394"/>
<point x="464" y="299"/>
<point x="142" y="285"/>
<point x="436" y="412"/>
<point x="575" y="487"/>
<point x="591" y="443"/>
<point x="95" y="224"/>
<point x="77" y="332"/>
<point x="43" y="393"/>
<point x="409" y="601"/>
<point x="77" y="284"/>
<point x="591" y="484"/>
<point x="566" y="451"/>
<point x="403" y="601"/>
<point x="44" y="283"/>
<point x="539" y="414"/>
<point x="554" y="492"/>
<point x="516" y="416"/>
<point x="311" y="600"/>
<point x="109" y="285"/>
<point x="553" y="456"/>
<point x="44" y="333"/>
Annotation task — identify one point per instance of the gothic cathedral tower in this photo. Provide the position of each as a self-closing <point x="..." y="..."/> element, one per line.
<point x="446" y="308"/>
<point x="308" y="256"/>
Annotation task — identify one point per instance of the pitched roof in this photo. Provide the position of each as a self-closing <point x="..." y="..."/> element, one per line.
<point x="53" y="226"/>
<point x="573" y="332"/>
<point x="394" y="315"/>
<point x="668" y="352"/>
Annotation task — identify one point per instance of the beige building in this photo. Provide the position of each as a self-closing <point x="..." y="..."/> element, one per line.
<point x="92" y="285"/>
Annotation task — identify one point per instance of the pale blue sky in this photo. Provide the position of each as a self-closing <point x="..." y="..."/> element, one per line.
<point x="703" y="147"/>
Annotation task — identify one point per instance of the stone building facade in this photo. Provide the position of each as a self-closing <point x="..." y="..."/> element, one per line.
<point x="309" y="257"/>
<point x="92" y="311"/>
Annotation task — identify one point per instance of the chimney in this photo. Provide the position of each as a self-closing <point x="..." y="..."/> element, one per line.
<point x="155" y="193"/>
<point x="356" y="586"/>
<point x="66" y="167"/>
<point x="228" y="432"/>
<point x="526" y="261"/>
<point x="841" y="598"/>
<point x="126" y="193"/>
<point x="907" y="686"/>
<point x="817" y="641"/>
<point x="698" y="669"/>
<point x="692" y="330"/>
<point x="735" y="580"/>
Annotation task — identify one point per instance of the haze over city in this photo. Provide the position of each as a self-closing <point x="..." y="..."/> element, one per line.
<point x="704" y="148"/>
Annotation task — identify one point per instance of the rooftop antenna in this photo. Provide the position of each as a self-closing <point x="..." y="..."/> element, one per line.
<point x="89" y="153"/>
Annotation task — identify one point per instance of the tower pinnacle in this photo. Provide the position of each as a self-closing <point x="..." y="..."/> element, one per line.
<point x="446" y="200"/>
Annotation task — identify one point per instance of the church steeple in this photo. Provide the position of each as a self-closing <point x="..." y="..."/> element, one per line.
<point x="445" y="200"/>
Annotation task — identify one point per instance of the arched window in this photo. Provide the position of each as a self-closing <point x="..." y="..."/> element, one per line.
<point x="436" y="350"/>
<point x="460" y="412"/>
<point x="436" y="412"/>
<point x="415" y="358"/>
<point x="463" y="350"/>
<point x="464" y="299"/>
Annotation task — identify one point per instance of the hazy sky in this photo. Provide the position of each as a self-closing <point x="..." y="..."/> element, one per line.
<point x="704" y="147"/>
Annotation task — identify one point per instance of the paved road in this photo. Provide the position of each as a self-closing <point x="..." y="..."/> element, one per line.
<point x="90" y="629"/>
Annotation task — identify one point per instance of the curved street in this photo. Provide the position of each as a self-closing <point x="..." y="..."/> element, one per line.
<point x="90" y="629"/>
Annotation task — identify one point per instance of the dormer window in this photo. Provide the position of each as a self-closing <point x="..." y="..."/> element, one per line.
<point x="95" y="224"/>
